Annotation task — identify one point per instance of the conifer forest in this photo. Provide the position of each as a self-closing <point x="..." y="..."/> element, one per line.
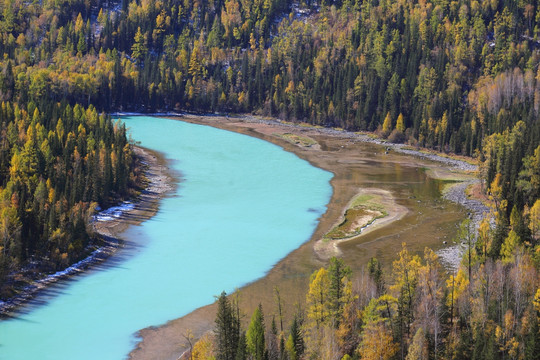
<point x="454" y="76"/>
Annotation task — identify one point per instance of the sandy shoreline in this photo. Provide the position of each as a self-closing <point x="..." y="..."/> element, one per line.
<point x="333" y="150"/>
<point x="143" y="207"/>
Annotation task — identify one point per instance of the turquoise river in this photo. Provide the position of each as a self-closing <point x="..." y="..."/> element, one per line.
<point x="242" y="204"/>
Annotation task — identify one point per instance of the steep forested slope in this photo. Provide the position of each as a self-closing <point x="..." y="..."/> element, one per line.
<point x="413" y="313"/>
<point x="59" y="159"/>
<point x="440" y="74"/>
<point x="456" y="71"/>
<point x="57" y="166"/>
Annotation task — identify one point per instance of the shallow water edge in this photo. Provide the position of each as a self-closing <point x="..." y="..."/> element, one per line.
<point x="291" y="273"/>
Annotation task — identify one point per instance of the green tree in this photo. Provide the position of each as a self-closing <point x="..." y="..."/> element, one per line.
<point x="227" y="329"/>
<point x="508" y="247"/>
<point x="338" y="274"/>
<point x="242" y="350"/>
<point x="295" y="343"/>
<point x="139" y="48"/>
<point x="255" y="334"/>
<point x="375" y="271"/>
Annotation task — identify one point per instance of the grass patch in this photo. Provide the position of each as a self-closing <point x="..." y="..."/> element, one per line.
<point x="362" y="212"/>
<point x="297" y="139"/>
<point x="310" y="126"/>
<point x="361" y="200"/>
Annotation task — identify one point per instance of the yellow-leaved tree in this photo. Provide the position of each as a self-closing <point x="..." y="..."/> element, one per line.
<point x="318" y="311"/>
<point x="387" y="125"/>
<point x="419" y="347"/>
<point x="318" y="304"/>
<point x="534" y="223"/>
<point x="377" y="341"/>
<point x="203" y="349"/>
<point x="400" y="124"/>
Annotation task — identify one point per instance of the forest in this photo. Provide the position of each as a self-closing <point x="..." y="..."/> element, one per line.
<point x="455" y="76"/>
<point x="58" y="165"/>
<point x="459" y="77"/>
<point x="418" y="314"/>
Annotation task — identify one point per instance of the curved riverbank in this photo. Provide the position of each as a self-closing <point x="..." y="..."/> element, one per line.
<point x="159" y="182"/>
<point x="241" y="201"/>
<point x="337" y="151"/>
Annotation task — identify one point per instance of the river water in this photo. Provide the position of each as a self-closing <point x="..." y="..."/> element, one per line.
<point x="242" y="204"/>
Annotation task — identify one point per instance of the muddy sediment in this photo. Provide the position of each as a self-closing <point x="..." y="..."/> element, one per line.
<point x="347" y="155"/>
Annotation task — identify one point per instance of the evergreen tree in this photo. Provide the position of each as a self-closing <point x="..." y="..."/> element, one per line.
<point x="338" y="275"/>
<point x="273" y="345"/>
<point x="375" y="271"/>
<point x="255" y="334"/>
<point x="227" y="329"/>
<point x="139" y="49"/>
<point x="296" y="337"/>
<point x="242" y="351"/>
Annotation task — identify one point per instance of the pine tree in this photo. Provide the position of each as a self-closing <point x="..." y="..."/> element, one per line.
<point x="273" y="346"/>
<point x="338" y="275"/>
<point x="296" y="337"/>
<point x="227" y="329"/>
<point x="242" y="351"/>
<point x="139" y="49"/>
<point x="255" y="334"/>
<point x="375" y="271"/>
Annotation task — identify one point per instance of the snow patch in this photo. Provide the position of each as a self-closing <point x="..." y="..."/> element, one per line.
<point x="114" y="212"/>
